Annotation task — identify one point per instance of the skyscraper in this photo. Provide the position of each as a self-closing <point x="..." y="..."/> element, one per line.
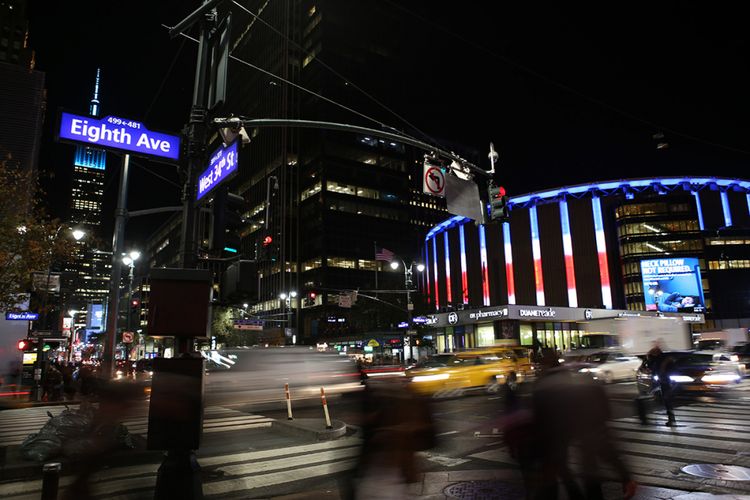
<point x="90" y="268"/>
<point x="22" y="92"/>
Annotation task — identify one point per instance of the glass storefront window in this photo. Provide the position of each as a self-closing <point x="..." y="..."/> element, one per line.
<point x="527" y="335"/>
<point x="485" y="335"/>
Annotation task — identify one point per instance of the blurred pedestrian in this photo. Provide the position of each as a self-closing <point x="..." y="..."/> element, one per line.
<point x="571" y="408"/>
<point x="69" y="388"/>
<point x="116" y="403"/>
<point x="52" y="383"/>
<point x="397" y="423"/>
<point x="662" y="365"/>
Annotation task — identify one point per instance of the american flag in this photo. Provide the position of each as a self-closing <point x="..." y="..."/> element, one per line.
<point x="384" y="254"/>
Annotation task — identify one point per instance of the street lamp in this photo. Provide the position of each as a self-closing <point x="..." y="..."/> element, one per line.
<point x="129" y="260"/>
<point x="287" y="311"/>
<point x="408" y="272"/>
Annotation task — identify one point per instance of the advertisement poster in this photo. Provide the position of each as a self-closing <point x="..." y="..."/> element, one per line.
<point x="672" y="285"/>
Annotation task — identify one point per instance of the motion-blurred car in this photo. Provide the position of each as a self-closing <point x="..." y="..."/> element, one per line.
<point x="692" y="372"/>
<point x="144" y="369"/>
<point x="452" y="374"/>
<point x="742" y="351"/>
<point x="728" y="359"/>
<point x="611" y="366"/>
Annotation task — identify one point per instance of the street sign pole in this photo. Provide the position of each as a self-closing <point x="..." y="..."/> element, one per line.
<point x="118" y="243"/>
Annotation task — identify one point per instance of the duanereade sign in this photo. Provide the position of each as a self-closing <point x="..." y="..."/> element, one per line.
<point x="118" y="133"/>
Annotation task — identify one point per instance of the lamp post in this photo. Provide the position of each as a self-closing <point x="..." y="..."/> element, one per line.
<point x="286" y="301"/>
<point x="129" y="260"/>
<point x="72" y="314"/>
<point x="408" y="283"/>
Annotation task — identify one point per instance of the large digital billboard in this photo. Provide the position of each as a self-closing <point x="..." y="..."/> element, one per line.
<point x="672" y="285"/>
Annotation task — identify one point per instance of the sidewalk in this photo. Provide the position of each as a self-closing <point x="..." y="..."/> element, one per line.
<point x="501" y="484"/>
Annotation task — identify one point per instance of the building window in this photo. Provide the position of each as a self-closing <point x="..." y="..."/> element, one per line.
<point x="721" y="265"/>
<point x="367" y="265"/>
<point x="341" y="262"/>
<point x="312" y="264"/>
<point x="311" y="191"/>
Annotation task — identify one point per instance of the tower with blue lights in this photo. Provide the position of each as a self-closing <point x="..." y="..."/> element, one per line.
<point x="87" y="192"/>
<point x="90" y="268"/>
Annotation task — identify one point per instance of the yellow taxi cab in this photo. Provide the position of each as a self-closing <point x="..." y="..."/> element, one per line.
<point x="451" y="374"/>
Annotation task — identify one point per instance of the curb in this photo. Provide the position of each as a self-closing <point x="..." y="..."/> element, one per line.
<point x="310" y="427"/>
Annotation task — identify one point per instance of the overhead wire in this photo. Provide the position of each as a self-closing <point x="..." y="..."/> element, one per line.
<point x="295" y="85"/>
<point x="339" y="75"/>
<point x="566" y="87"/>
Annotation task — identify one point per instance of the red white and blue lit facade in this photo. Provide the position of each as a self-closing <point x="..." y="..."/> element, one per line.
<point x="580" y="247"/>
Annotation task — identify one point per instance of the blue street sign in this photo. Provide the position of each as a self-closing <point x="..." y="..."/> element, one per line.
<point x="112" y="132"/>
<point x="21" y="316"/>
<point x="221" y="166"/>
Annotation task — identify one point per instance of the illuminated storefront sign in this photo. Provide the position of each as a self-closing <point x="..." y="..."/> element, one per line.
<point x="492" y="313"/>
<point x="537" y="313"/>
<point x="221" y="166"/>
<point x="672" y="285"/>
<point x="111" y="132"/>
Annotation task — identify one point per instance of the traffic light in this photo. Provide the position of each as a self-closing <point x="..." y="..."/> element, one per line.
<point x="498" y="203"/>
<point x="135" y="303"/>
<point x="227" y="222"/>
<point x="23" y="344"/>
<point x="310" y="299"/>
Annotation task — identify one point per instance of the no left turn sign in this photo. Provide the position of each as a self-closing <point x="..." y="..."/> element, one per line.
<point x="433" y="181"/>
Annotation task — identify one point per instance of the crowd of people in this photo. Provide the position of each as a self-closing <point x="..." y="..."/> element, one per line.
<point x="62" y="381"/>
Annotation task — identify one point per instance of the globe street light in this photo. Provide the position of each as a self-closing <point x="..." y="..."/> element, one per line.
<point x="129" y="260"/>
<point x="408" y="270"/>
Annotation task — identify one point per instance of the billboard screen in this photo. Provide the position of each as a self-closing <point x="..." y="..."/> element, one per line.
<point x="672" y="285"/>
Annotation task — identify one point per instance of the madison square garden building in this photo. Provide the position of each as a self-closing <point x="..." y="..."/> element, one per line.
<point x="675" y="248"/>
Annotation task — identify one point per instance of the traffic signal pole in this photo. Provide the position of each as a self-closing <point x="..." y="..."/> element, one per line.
<point x="118" y="247"/>
<point x="196" y="141"/>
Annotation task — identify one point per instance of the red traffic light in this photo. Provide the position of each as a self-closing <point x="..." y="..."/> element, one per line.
<point x="501" y="191"/>
<point x="135" y="303"/>
<point x="267" y="241"/>
<point x="312" y="295"/>
<point x="23" y="344"/>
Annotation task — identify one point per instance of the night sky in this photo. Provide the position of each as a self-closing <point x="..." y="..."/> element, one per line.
<point x="567" y="93"/>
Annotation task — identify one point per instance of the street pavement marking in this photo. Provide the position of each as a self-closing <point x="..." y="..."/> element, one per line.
<point x="706" y="433"/>
<point x="17" y="424"/>
<point x="243" y="471"/>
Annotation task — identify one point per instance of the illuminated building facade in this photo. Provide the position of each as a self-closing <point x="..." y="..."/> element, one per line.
<point x="607" y="246"/>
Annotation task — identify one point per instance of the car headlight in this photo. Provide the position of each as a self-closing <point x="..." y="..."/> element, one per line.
<point x="721" y="377"/>
<point x="430" y="378"/>
<point x="589" y="370"/>
<point x="680" y="378"/>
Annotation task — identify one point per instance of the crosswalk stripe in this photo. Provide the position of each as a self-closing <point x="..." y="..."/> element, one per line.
<point x="255" y="482"/>
<point x="17" y="424"/>
<point x="247" y="470"/>
<point x="655" y="454"/>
